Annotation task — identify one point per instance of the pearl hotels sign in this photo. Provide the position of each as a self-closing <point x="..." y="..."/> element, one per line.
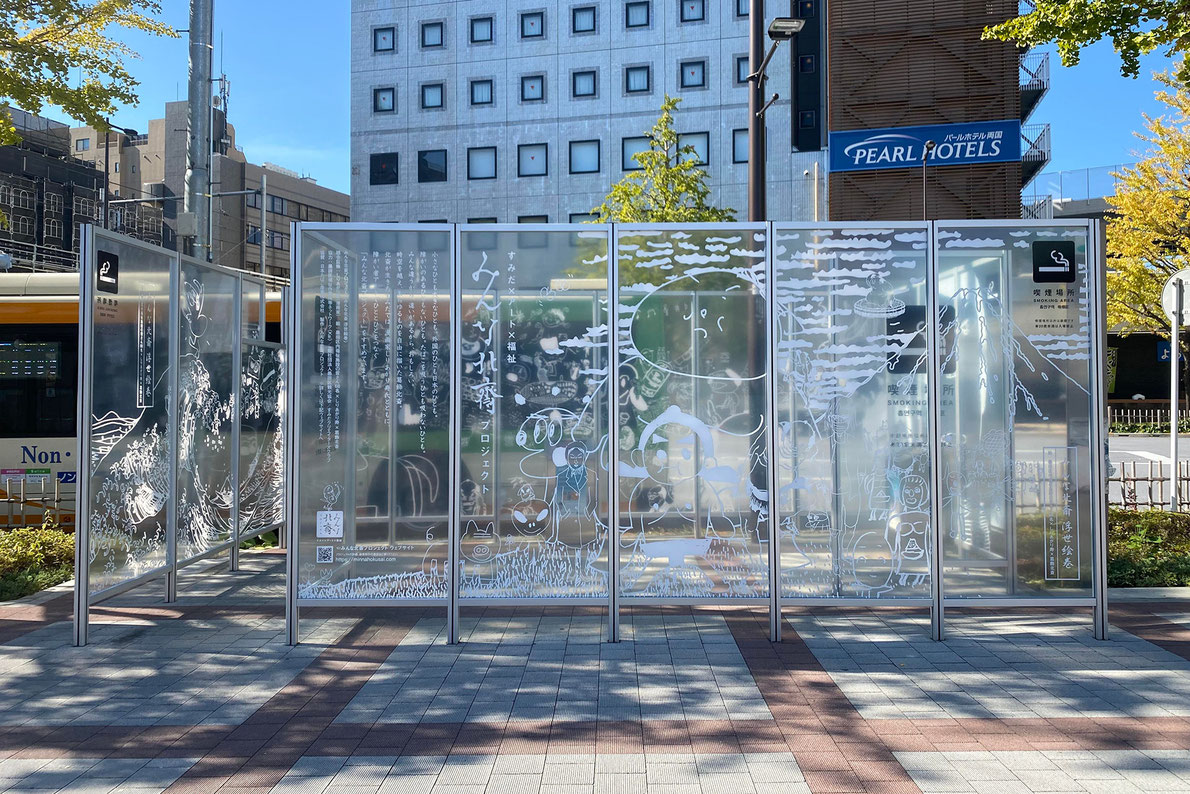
<point x="902" y="147"/>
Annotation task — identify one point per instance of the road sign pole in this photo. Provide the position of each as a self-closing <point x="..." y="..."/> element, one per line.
<point x="1174" y="348"/>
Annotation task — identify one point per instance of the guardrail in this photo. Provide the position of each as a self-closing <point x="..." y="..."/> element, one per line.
<point x="27" y="503"/>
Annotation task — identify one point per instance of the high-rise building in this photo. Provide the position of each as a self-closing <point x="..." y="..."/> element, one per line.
<point x="519" y="110"/>
<point x="153" y="164"/>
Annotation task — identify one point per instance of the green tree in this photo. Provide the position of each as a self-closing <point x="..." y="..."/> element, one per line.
<point x="1148" y="240"/>
<point x="1135" y="28"/>
<point x="58" y="52"/>
<point x="670" y="186"/>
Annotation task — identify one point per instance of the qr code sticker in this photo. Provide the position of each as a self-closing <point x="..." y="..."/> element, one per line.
<point x="323" y="554"/>
<point x="329" y="524"/>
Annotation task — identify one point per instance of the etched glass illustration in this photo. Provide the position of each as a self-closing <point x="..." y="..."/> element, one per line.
<point x="1016" y="408"/>
<point x="130" y="390"/>
<point x="262" y="438"/>
<point x="375" y="418"/>
<point x="693" y="502"/>
<point x="206" y="383"/>
<point x="853" y="473"/>
<point x="535" y="351"/>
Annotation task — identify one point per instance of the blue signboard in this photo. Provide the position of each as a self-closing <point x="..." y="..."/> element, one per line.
<point x="902" y="147"/>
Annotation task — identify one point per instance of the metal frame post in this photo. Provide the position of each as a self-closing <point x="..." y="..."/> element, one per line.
<point x="82" y="508"/>
<point x="286" y="355"/>
<point x="934" y="399"/>
<point x="613" y="435"/>
<point x="771" y="429"/>
<point x="174" y="414"/>
<point x="454" y="519"/>
<point x="291" y="331"/>
<point x="1097" y="309"/>
<point x="237" y="367"/>
<point x="1174" y="396"/>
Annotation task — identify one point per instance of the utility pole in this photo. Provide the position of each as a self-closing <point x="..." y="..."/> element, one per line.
<point x="198" y="157"/>
<point x="756" y="165"/>
<point x="264" y="200"/>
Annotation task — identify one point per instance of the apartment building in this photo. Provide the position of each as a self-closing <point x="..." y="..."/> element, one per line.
<point x="46" y="194"/>
<point x="522" y="110"/>
<point x="152" y="165"/>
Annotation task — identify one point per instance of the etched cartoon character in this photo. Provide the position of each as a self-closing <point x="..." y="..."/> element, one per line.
<point x="574" y="497"/>
<point x="908" y="533"/>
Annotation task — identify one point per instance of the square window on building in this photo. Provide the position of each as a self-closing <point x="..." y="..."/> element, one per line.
<point x="743" y="68"/>
<point x="629" y="148"/>
<point x="636" y="14"/>
<point x="533" y="88"/>
<point x="481" y="30"/>
<point x="431" y="95"/>
<point x="584" y="157"/>
<point x="383" y="169"/>
<point x="431" y="165"/>
<point x="807" y="9"/>
<point x="481" y="162"/>
<point x="384" y="39"/>
<point x="582" y="19"/>
<point x="693" y="10"/>
<point x="636" y="80"/>
<point x="582" y="83"/>
<point x="531" y="159"/>
<point x="806" y="64"/>
<point x="481" y="92"/>
<point x="82" y="145"/>
<point x="739" y="146"/>
<point x="533" y="25"/>
<point x="433" y="34"/>
<point x="583" y="217"/>
<point x="693" y="74"/>
<point x="384" y="100"/>
<point x="741" y="7"/>
<point x="807" y="119"/>
<point x="700" y="142"/>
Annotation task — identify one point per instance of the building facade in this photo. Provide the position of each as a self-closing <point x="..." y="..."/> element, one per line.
<point x="152" y="165"/>
<point x="518" y="110"/>
<point x="47" y="193"/>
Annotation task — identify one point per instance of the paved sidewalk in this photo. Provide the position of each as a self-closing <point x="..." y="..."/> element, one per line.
<point x="203" y="696"/>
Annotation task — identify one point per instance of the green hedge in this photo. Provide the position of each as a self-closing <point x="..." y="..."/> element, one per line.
<point x="1148" y="548"/>
<point x="34" y="558"/>
<point x="1160" y="428"/>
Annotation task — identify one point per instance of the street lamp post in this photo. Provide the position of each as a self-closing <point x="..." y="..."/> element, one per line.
<point x="107" y="133"/>
<point x="781" y="29"/>
<point x="925" y="160"/>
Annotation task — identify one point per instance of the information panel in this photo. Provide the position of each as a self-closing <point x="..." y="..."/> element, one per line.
<point x="1016" y="409"/>
<point x="374" y="430"/>
<point x="690" y="322"/>
<point x="206" y="382"/>
<point x="535" y="388"/>
<point x="129" y="425"/>
<point x="853" y="475"/>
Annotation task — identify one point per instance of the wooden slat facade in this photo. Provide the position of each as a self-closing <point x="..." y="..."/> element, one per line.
<point x="912" y="62"/>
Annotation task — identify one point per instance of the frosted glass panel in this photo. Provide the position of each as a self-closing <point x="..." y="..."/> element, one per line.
<point x="262" y="461"/>
<point x="692" y="355"/>
<point x="852" y="404"/>
<point x="535" y="405"/>
<point x="1016" y="408"/>
<point x="374" y="430"/>
<point x="130" y="392"/>
<point x="206" y="381"/>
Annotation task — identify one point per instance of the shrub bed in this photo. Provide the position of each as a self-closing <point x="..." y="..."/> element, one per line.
<point x="1148" y="548"/>
<point x="34" y="558"/>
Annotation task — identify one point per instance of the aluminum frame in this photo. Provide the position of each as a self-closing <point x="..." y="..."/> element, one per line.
<point x="938" y="601"/>
<point x="90" y="240"/>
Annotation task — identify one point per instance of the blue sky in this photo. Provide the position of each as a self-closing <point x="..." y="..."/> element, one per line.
<point x="289" y="73"/>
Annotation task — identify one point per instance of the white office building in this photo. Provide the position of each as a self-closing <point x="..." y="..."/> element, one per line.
<point x="524" y="110"/>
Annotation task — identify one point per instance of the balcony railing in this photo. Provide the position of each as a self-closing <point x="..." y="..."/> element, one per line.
<point x="1080" y="184"/>
<point x="1035" y="150"/>
<point x="1034" y="80"/>
<point x="1039" y="208"/>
